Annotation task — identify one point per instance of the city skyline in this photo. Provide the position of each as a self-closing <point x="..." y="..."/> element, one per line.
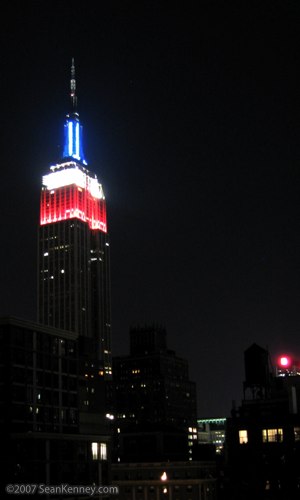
<point x="195" y="119"/>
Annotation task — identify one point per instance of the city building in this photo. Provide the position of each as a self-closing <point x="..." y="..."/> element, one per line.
<point x="155" y="401"/>
<point x="73" y="256"/>
<point x="263" y="434"/>
<point x="212" y="431"/>
<point x="166" y="480"/>
<point x="52" y="425"/>
<point x="55" y="375"/>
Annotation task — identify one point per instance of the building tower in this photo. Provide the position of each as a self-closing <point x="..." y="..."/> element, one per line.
<point x="73" y="254"/>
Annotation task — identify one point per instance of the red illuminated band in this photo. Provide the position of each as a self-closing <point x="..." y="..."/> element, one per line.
<point x="81" y="199"/>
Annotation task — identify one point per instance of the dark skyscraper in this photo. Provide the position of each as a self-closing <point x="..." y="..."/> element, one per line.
<point x="155" y="400"/>
<point x="73" y="257"/>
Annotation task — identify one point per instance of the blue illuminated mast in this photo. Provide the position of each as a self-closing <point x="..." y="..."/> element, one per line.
<point x="73" y="130"/>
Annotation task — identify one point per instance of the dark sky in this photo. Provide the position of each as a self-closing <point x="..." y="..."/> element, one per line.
<point x="191" y="122"/>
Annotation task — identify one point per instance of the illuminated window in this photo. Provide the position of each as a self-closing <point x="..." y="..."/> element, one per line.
<point x="297" y="433"/>
<point x="103" y="451"/>
<point x="243" y="437"/>
<point x="272" y="435"/>
<point x="95" y="451"/>
<point x="99" y="451"/>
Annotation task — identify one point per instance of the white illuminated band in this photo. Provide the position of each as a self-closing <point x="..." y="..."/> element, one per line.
<point x="73" y="175"/>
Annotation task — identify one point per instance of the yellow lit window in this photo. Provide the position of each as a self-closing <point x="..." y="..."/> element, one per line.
<point x="243" y="437"/>
<point x="272" y="435"/>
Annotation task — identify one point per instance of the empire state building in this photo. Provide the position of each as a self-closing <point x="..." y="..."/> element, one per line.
<point x="73" y="256"/>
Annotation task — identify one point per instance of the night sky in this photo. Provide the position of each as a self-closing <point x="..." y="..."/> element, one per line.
<point x="191" y="122"/>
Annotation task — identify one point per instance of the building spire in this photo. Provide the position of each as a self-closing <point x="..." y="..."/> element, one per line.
<point x="73" y="145"/>
<point x="73" y="87"/>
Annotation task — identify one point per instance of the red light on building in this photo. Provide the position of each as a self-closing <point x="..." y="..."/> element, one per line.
<point x="284" y="361"/>
<point x="69" y="193"/>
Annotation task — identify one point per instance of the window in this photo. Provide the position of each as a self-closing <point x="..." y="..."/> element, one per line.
<point x="243" y="437"/>
<point x="99" y="451"/>
<point x="103" y="451"/>
<point x="297" y="433"/>
<point x="272" y="435"/>
<point x="95" y="451"/>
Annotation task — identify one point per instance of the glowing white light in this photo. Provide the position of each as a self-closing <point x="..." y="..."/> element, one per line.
<point x="73" y="175"/>
<point x="164" y="476"/>
<point x="95" y="188"/>
<point x="64" y="178"/>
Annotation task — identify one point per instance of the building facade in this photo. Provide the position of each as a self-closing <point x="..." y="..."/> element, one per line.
<point x="211" y="431"/>
<point x="263" y="433"/>
<point x="166" y="480"/>
<point x="73" y="253"/>
<point x="52" y="425"/>
<point x="155" y="401"/>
